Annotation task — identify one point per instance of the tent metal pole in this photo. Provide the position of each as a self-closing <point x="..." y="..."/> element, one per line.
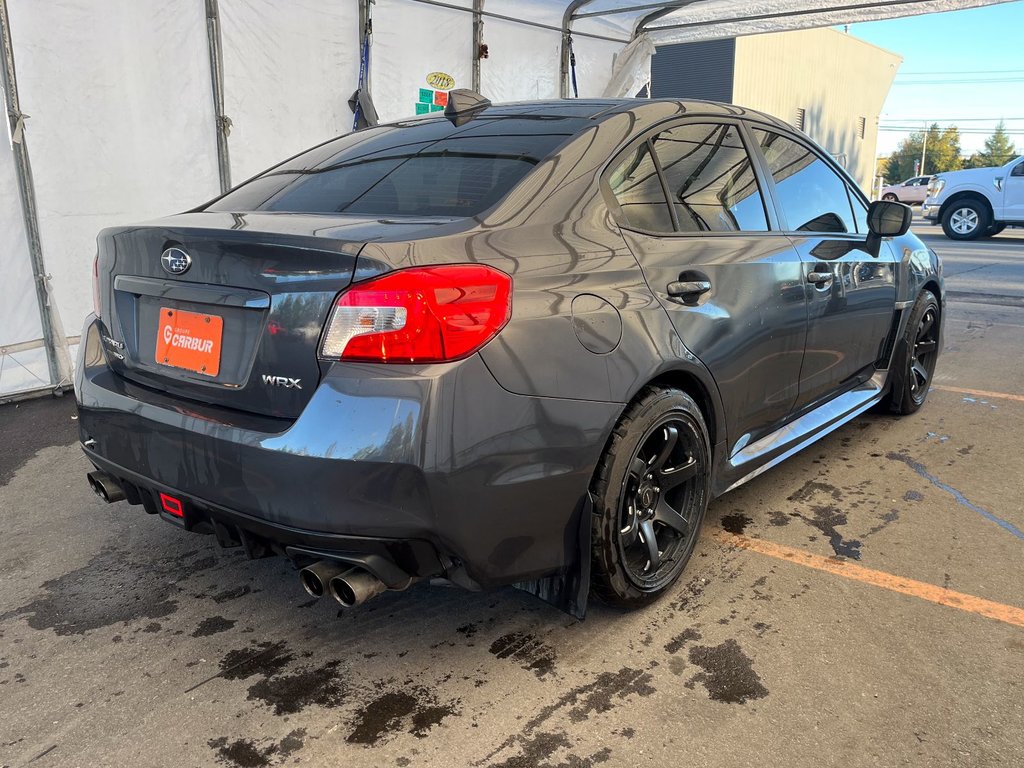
<point x="567" y="17"/>
<point x="524" y="22"/>
<point x="788" y="14"/>
<point x="57" y="358"/>
<point x="478" y="40"/>
<point x="222" y="121"/>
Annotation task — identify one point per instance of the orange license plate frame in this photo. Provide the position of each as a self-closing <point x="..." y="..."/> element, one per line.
<point x="189" y="340"/>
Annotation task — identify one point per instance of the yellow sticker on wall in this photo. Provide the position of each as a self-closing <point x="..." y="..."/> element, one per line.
<point x="441" y="81"/>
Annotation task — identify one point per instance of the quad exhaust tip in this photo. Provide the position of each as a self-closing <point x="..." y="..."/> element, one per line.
<point x="355" y="587"/>
<point x="349" y="586"/>
<point x="106" y="487"/>
<point x="316" y="577"/>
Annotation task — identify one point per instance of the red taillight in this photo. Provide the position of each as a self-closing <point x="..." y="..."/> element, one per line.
<point x="420" y="315"/>
<point x="171" y="505"/>
<point x="96" y="285"/>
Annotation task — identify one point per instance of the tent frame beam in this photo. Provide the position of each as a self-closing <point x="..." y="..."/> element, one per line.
<point x="57" y="358"/>
<point x="782" y="15"/>
<point x="524" y="22"/>
<point x="222" y="123"/>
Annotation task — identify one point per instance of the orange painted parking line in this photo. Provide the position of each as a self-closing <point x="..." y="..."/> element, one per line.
<point x="979" y="392"/>
<point x="1008" y="614"/>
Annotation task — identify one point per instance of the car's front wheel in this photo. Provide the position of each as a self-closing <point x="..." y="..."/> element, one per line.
<point x="965" y="220"/>
<point x="651" y="490"/>
<point x="914" y="364"/>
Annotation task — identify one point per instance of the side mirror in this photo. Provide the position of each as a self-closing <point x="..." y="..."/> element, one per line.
<point x="886" y="219"/>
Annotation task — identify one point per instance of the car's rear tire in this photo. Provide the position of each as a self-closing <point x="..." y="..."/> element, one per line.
<point x="965" y="220"/>
<point x="651" y="491"/>
<point x="913" y="365"/>
<point x="994" y="229"/>
<point x="890" y="197"/>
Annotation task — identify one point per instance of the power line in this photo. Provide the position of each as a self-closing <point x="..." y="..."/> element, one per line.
<point x="919" y="120"/>
<point x="990" y="81"/>
<point x="966" y="72"/>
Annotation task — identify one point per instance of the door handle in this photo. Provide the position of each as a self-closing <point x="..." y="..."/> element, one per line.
<point x="819" y="278"/>
<point x="688" y="289"/>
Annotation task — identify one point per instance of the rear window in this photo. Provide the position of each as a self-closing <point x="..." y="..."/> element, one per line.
<point x="424" y="168"/>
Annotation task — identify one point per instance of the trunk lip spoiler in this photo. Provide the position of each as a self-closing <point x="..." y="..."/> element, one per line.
<point x="225" y="296"/>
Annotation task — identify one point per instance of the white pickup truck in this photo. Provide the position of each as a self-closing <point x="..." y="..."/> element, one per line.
<point x="979" y="202"/>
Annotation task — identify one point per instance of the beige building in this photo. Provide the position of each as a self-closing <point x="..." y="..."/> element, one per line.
<point x="830" y="84"/>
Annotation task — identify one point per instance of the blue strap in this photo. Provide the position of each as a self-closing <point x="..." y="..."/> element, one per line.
<point x="364" y="66"/>
<point x="572" y="70"/>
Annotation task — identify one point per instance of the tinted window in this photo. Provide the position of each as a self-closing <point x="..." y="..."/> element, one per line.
<point x="812" y="196"/>
<point x="860" y="213"/>
<point x="427" y="168"/>
<point x="1018" y="170"/>
<point x="709" y="177"/>
<point x="636" y="186"/>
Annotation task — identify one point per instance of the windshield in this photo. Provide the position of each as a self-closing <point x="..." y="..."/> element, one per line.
<point x="419" y="168"/>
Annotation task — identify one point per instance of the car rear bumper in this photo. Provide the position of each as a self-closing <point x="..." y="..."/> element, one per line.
<point x="486" y="486"/>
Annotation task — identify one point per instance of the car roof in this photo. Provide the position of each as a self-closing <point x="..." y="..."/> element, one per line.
<point x="645" y="110"/>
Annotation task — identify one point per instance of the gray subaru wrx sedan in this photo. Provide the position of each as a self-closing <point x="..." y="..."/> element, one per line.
<point x="511" y="344"/>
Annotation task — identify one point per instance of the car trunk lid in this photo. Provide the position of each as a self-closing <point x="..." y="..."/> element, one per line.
<point x="240" y="325"/>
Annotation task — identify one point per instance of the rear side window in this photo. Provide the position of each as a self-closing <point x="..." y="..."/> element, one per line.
<point x="427" y="168"/>
<point x="637" y="188"/>
<point x="812" y="196"/>
<point x="710" y="181"/>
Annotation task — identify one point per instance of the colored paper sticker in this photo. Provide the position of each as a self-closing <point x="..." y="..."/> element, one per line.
<point x="441" y="97"/>
<point x="441" y="80"/>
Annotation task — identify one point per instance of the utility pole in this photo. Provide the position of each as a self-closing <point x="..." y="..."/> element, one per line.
<point x="924" y="147"/>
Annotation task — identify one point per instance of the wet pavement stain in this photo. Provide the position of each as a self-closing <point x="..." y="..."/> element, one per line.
<point x="885" y="519"/>
<point x="530" y="652"/>
<point x="212" y="626"/>
<point x="264" y="658"/>
<point x="232" y="594"/>
<point x="913" y="496"/>
<point x="777" y="518"/>
<point x="293" y="692"/>
<point x="244" y="753"/>
<point x="736" y="523"/>
<point x="676" y="643"/>
<point x="826" y="519"/>
<point x="538" y="749"/>
<point x="811" y="487"/>
<point x="728" y="673"/>
<point x="962" y="500"/>
<point x="412" y="709"/>
<point x="110" y="589"/>
<point x="597" y="696"/>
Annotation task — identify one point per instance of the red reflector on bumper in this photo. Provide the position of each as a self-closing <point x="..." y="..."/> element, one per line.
<point x="171" y="505"/>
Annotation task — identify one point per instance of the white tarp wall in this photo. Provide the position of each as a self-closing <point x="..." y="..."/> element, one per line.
<point x="119" y="98"/>
<point x="22" y="354"/>
<point x="289" y="70"/>
<point x="123" y="125"/>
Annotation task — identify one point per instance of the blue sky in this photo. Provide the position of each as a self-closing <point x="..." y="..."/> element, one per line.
<point x="980" y="44"/>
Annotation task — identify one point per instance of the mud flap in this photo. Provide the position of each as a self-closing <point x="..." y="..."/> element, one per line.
<point x="568" y="591"/>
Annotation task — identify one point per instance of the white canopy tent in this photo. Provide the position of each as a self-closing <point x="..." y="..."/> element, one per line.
<point x="123" y="110"/>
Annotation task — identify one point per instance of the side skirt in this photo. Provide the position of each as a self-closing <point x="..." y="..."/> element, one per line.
<point x="772" y="449"/>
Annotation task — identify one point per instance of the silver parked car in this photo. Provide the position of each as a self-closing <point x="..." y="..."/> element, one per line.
<point x="912" y="191"/>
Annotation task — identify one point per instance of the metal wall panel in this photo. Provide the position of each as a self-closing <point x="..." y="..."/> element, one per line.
<point x="701" y="70"/>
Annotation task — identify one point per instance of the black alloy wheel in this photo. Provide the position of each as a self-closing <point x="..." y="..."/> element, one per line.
<point x="924" y="354"/>
<point x="651" y="491"/>
<point x="913" y="365"/>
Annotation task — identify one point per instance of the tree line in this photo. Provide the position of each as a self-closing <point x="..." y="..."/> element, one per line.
<point x="942" y="153"/>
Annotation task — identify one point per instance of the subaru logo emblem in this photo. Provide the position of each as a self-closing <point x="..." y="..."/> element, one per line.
<point x="176" y="261"/>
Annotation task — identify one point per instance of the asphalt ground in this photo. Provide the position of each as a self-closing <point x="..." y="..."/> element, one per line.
<point x="860" y="605"/>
